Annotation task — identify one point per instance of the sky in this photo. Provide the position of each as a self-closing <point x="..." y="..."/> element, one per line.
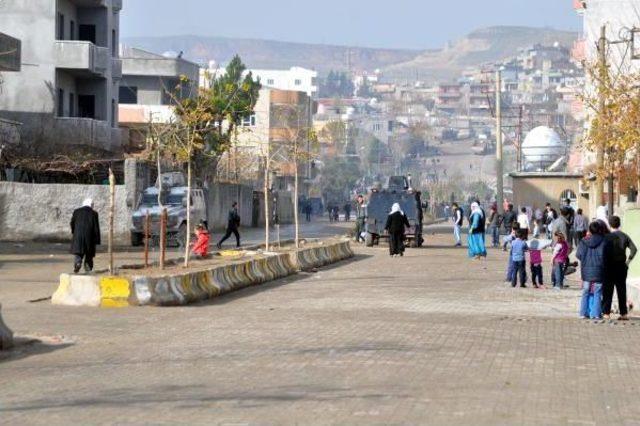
<point x="415" y="24"/>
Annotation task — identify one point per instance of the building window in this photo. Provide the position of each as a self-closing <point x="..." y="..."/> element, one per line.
<point x="249" y="121"/>
<point x="72" y="105"/>
<point x="568" y="194"/>
<point x="113" y="113"/>
<point x="60" y="34"/>
<point x="114" y="44"/>
<point x="72" y="30"/>
<point x="390" y="126"/>
<point x="128" y="95"/>
<point x="298" y="82"/>
<point x="60" y="103"/>
<point x="270" y="82"/>
<point x="314" y="80"/>
<point x="377" y="127"/>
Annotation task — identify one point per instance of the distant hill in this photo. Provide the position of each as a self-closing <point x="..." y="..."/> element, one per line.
<point x="275" y="54"/>
<point x="479" y="47"/>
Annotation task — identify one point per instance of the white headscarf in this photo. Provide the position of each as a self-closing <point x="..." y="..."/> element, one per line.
<point x="396" y="208"/>
<point x="475" y="208"/>
<point x="88" y="202"/>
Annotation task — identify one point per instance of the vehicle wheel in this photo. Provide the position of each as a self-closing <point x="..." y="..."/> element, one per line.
<point x="368" y="239"/>
<point x="136" y="239"/>
<point x="181" y="235"/>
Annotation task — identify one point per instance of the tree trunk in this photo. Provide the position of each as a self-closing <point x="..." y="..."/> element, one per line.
<point x="266" y="202"/>
<point x="296" y="218"/>
<point x="112" y="208"/>
<point x="187" y="238"/>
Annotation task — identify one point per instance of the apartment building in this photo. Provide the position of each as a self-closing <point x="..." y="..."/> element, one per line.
<point x="296" y="79"/>
<point x="149" y="87"/>
<point x="66" y="93"/>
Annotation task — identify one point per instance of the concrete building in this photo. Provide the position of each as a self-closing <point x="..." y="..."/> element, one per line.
<point x="67" y="90"/>
<point x="149" y="82"/>
<point x="278" y="115"/>
<point x="295" y="79"/>
<point x="10" y="61"/>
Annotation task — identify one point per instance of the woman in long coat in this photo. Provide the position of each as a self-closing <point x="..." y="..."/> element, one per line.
<point x="397" y="222"/>
<point x="85" y="228"/>
<point x="476" y="232"/>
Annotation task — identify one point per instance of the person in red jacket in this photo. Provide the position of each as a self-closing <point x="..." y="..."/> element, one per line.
<point x="201" y="245"/>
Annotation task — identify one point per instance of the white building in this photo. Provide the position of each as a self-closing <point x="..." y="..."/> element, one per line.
<point x="66" y="92"/>
<point x="295" y="78"/>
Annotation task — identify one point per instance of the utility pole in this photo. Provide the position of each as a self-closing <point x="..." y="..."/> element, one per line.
<point x="602" y="68"/>
<point x="499" y="162"/>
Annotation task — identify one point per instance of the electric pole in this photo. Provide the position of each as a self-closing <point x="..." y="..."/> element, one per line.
<point x="499" y="162"/>
<point x="602" y="68"/>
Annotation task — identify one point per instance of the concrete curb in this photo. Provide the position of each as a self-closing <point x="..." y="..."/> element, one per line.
<point x="192" y="287"/>
<point x="6" y="335"/>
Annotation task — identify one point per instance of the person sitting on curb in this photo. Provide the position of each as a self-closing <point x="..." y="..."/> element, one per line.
<point x="201" y="245"/>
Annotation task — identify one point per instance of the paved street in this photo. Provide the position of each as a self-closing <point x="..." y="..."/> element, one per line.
<point x="432" y="338"/>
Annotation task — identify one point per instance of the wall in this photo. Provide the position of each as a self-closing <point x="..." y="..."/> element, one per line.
<point x="42" y="211"/>
<point x="537" y="191"/>
<point x="221" y="196"/>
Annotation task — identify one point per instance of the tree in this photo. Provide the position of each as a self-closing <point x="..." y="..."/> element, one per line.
<point x="614" y="108"/>
<point x="206" y="122"/>
<point x="337" y="84"/>
<point x="339" y="176"/>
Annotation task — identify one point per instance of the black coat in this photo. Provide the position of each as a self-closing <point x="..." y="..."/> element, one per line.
<point x="85" y="228"/>
<point x="396" y="223"/>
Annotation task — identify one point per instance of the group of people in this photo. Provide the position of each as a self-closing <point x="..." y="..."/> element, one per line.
<point x="602" y="250"/>
<point x="334" y="212"/>
<point x="85" y="231"/>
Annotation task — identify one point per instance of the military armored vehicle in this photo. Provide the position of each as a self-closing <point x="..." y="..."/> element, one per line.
<point x="174" y="199"/>
<point x="399" y="191"/>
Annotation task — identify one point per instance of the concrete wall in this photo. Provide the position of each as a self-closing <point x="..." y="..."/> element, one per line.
<point x="43" y="212"/>
<point x="220" y="197"/>
<point x="537" y="191"/>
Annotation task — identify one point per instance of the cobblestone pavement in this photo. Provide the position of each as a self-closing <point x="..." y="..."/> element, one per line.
<point x="431" y="338"/>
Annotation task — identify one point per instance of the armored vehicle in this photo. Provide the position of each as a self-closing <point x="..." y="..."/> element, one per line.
<point x="379" y="205"/>
<point x="174" y="199"/>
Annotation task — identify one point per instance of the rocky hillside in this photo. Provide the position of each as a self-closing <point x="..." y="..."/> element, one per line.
<point x="275" y="54"/>
<point x="481" y="46"/>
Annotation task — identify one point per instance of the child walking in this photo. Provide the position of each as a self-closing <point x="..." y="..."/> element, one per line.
<point x="560" y="258"/>
<point x="535" y="259"/>
<point x="518" y="249"/>
<point x="201" y="245"/>
<point x="507" y="240"/>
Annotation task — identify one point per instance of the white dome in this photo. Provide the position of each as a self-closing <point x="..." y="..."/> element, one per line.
<point x="542" y="147"/>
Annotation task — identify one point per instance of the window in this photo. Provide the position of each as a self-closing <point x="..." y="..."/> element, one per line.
<point x="72" y="105"/>
<point x="390" y="126"/>
<point x="128" y="95"/>
<point x="113" y="113"/>
<point x="568" y="194"/>
<point x="60" y="103"/>
<point x="72" y="30"/>
<point x="60" y="34"/>
<point x="376" y="127"/>
<point x="314" y="80"/>
<point x="114" y="44"/>
<point x="270" y="82"/>
<point x="298" y="82"/>
<point x="249" y="121"/>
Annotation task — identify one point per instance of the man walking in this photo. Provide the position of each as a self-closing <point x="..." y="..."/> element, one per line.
<point x="361" y="217"/>
<point x="616" y="268"/>
<point x="85" y="228"/>
<point x="347" y="212"/>
<point x="580" y="225"/>
<point x="508" y="219"/>
<point x="458" y="218"/>
<point x="233" y="222"/>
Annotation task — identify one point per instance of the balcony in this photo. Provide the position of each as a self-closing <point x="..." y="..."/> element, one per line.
<point x="10" y="59"/>
<point x="82" y="56"/>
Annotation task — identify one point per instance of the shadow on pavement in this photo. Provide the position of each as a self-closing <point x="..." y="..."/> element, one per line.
<point x="252" y="290"/>
<point x="25" y="347"/>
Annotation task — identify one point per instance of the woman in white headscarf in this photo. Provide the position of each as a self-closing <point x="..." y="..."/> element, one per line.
<point x="397" y="222"/>
<point x="477" y="221"/>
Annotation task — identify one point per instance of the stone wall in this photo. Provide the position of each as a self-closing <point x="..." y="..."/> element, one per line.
<point x="42" y="212"/>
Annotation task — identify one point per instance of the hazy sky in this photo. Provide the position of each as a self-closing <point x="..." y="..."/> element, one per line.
<point x="376" y="23"/>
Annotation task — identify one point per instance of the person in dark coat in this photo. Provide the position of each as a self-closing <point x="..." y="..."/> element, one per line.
<point x="616" y="268"/>
<point x="233" y="222"/>
<point x="591" y="254"/>
<point x="85" y="227"/>
<point x="396" y="224"/>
